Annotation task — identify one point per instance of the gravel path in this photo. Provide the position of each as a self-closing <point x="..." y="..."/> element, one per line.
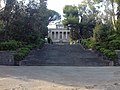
<point x="59" y="78"/>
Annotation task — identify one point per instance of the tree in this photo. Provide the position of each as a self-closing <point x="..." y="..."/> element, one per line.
<point x="53" y="15"/>
<point x="6" y="15"/>
<point x="118" y="8"/>
<point x="71" y="20"/>
<point x="70" y="15"/>
<point x="101" y="32"/>
<point x="88" y="15"/>
<point x="25" y="22"/>
<point x="108" y="14"/>
<point x="118" y="16"/>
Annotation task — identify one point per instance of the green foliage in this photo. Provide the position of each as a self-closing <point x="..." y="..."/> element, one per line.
<point x="107" y="52"/>
<point x="102" y="47"/>
<point x="100" y="32"/>
<point x="24" y="51"/>
<point x="71" y="19"/>
<point x="97" y="46"/>
<point x="118" y="26"/>
<point x="40" y="44"/>
<point x="10" y="45"/>
<point x="1" y="25"/>
<point x="2" y="35"/>
<point x="24" y="22"/>
<point x="114" y="45"/>
<point x="21" y="53"/>
<point x="113" y="42"/>
<point x="70" y="10"/>
<point x="89" y="43"/>
<point x="113" y="37"/>
<point x="71" y="15"/>
<point x="28" y="46"/>
<point x="88" y="14"/>
<point x="53" y="15"/>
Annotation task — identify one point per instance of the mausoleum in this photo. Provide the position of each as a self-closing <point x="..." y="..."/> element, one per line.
<point x="58" y="33"/>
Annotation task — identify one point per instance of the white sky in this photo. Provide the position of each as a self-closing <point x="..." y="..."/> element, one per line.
<point x="58" y="5"/>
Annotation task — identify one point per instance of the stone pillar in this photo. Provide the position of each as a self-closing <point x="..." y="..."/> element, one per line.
<point x="54" y="35"/>
<point x="58" y="35"/>
<point x="66" y="35"/>
<point x="51" y="35"/>
<point x="62" y="35"/>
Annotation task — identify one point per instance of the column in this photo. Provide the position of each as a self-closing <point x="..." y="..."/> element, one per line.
<point x="58" y="35"/>
<point x="62" y="35"/>
<point x="54" y="35"/>
<point x="51" y="35"/>
<point x="66" y="35"/>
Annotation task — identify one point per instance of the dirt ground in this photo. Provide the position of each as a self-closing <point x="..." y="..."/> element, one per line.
<point x="15" y="84"/>
<point x="59" y="78"/>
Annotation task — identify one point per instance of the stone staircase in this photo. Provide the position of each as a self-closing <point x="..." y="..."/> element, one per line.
<point x="63" y="55"/>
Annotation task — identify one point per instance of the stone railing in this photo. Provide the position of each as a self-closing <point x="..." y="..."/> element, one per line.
<point x="7" y="57"/>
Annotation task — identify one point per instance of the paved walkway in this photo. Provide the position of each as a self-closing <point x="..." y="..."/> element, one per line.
<point x="59" y="78"/>
<point x="63" y="55"/>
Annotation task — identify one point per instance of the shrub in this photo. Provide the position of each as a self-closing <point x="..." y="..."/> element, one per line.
<point x="88" y="42"/>
<point x="113" y="37"/>
<point x="108" y="53"/>
<point x="101" y="32"/>
<point x="29" y="46"/>
<point x="101" y="49"/>
<point x="21" y="53"/>
<point x="40" y="44"/>
<point x="10" y="45"/>
<point x="114" y="44"/>
<point x="2" y="35"/>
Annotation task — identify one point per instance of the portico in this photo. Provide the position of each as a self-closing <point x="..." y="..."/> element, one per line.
<point x="59" y="33"/>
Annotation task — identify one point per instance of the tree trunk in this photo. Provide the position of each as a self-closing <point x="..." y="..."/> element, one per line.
<point x="113" y="15"/>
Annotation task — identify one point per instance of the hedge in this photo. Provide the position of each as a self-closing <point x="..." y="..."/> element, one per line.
<point x="87" y="42"/>
<point x="114" y="45"/>
<point x="10" y="45"/>
<point x="108" y="53"/>
<point x="22" y="52"/>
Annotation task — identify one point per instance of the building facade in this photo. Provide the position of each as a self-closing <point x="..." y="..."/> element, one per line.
<point x="58" y="33"/>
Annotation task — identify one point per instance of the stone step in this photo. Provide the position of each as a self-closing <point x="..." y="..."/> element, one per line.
<point x="63" y="55"/>
<point x="75" y="62"/>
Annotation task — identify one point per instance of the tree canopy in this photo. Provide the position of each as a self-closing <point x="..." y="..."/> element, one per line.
<point x="26" y="22"/>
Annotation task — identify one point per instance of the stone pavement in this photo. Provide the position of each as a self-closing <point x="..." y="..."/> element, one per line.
<point x="63" y="55"/>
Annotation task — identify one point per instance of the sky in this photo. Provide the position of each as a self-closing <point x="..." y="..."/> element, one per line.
<point x="58" y="5"/>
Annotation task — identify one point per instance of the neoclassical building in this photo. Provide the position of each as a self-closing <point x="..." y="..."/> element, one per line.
<point x="58" y="33"/>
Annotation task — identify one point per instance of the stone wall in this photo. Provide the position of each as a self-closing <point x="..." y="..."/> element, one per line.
<point x="6" y="57"/>
<point x="118" y="54"/>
